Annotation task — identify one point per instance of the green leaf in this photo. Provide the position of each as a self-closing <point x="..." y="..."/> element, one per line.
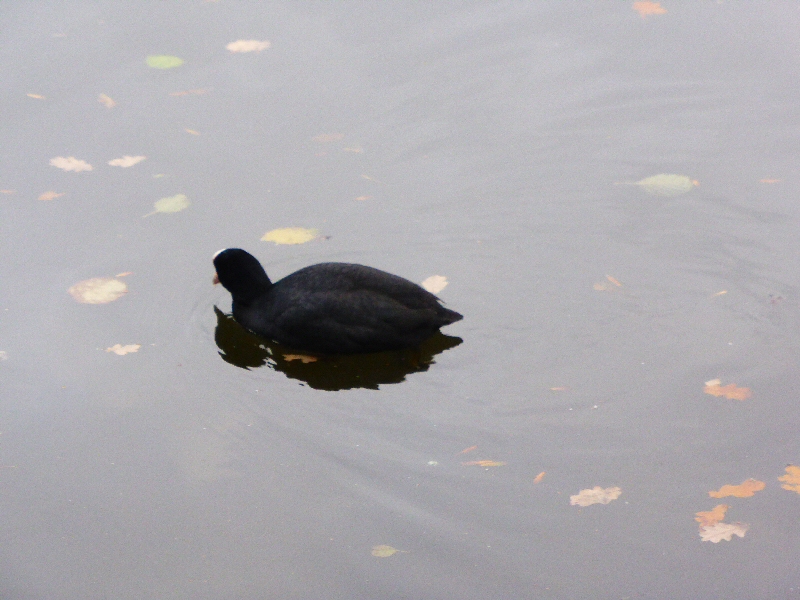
<point x="171" y="204"/>
<point x="665" y="184"/>
<point x="384" y="551"/>
<point x="163" y="61"/>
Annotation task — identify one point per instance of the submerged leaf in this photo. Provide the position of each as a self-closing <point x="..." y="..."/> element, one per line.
<point x="730" y="391"/>
<point x="722" y="531"/>
<point x="170" y="204"/>
<point x="70" y="163"/>
<point x="596" y="495"/>
<point x="744" y="490"/>
<point x="98" y="290"/>
<point x="163" y="61"/>
<point x="791" y="481"/>
<point x="484" y="463"/>
<point x="435" y="283"/>
<point x="122" y="350"/>
<point x="290" y="235"/>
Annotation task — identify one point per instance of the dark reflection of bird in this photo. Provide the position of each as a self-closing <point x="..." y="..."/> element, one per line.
<point x="331" y="308"/>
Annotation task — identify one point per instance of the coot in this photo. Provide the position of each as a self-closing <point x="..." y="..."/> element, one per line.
<point x="333" y="308"/>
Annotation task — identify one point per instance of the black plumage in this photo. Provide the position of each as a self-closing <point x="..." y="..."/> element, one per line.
<point x="333" y="308"/>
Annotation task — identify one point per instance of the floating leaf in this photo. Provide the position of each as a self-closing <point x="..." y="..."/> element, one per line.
<point x="722" y="531"/>
<point x="106" y="101"/>
<point x="192" y="131"/>
<point x="122" y="350"/>
<point x="435" y="283"/>
<point x="730" y="391"/>
<point x="163" y="61"/>
<point x="290" y="235"/>
<point x="744" y="490"/>
<point x="467" y="450"/>
<point x="646" y="8"/>
<point x="667" y="184"/>
<point x="170" y="204"/>
<point x="762" y="180"/>
<point x="384" y="551"/>
<point x="484" y="463"/>
<point x="539" y="477"/>
<point x="596" y="495"/>
<point x="98" y="290"/>
<point x="355" y="149"/>
<point x="609" y="285"/>
<point x="70" y="163"/>
<point x="36" y="96"/>
<point x="195" y="92"/>
<point x="126" y="161"/>
<point x="304" y="358"/>
<point x="791" y="479"/>
<point x="50" y="196"/>
<point x="8" y="191"/>
<point x="3" y="355"/>
<point x="711" y="517"/>
<point x="324" y="138"/>
<point x="362" y="198"/>
<point x="248" y="46"/>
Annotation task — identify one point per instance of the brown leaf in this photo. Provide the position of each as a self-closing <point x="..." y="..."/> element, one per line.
<point x="646" y="8"/>
<point x="730" y="391"/>
<point x="470" y="449"/>
<point x="50" y="196"/>
<point x="539" y="477"/>
<point x="744" y="490"/>
<point x="483" y="463"/>
<point x="791" y="479"/>
<point x="706" y="518"/>
<point x="304" y="358"/>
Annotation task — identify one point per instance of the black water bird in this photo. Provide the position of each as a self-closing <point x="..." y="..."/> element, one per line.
<point x="331" y="308"/>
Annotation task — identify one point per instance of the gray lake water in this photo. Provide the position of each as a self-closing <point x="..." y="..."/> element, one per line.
<point x="494" y="144"/>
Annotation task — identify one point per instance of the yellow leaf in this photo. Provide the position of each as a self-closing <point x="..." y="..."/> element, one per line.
<point x="171" y="204"/>
<point x="248" y="46"/>
<point x="595" y="495"/>
<point x="290" y="235"/>
<point x="98" y="290"/>
<point x="665" y="184"/>
<point x="126" y="161"/>
<point x="711" y="517"/>
<point x="50" y="196"/>
<point x="122" y="350"/>
<point x="384" y="551"/>
<point x="744" y="490"/>
<point x="483" y="463"/>
<point x="106" y="101"/>
<point x="791" y="479"/>
<point x="163" y="61"/>
<point x="70" y="163"/>
<point x="435" y="283"/>
<point x="730" y="391"/>
<point x="36" y="96"/>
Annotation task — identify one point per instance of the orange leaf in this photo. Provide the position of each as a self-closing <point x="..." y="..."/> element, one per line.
<point x="483" y="463"/>
<point x="303" y="358"/>
<point x="743" y="490"/>
<point x="649" y="8"/>
<point x="730" y="391"/>
<point x="707" y="518"/>
<point x="470" y="449"/>
<point x="791" y="479"/>
<point x="539" y="477"/>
